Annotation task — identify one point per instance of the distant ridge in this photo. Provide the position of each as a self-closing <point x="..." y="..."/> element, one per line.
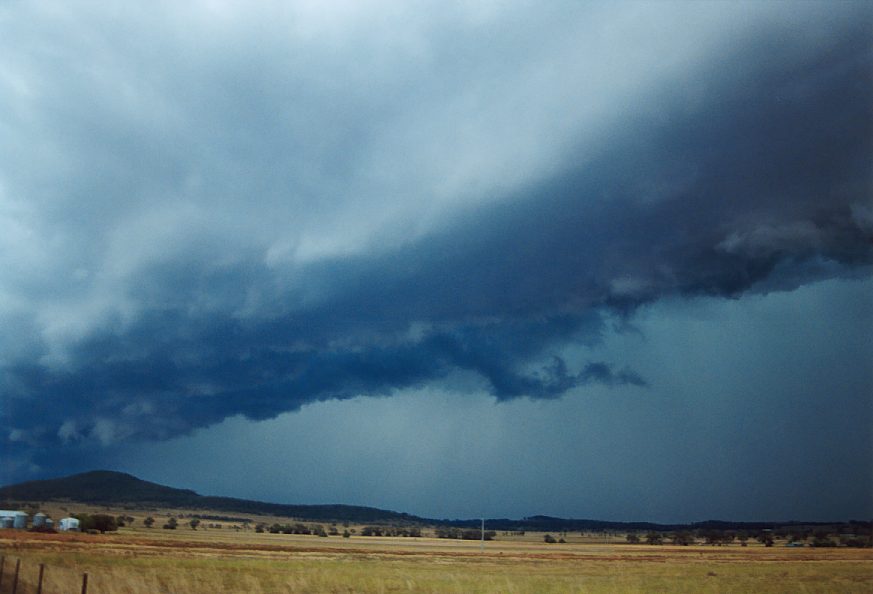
<point x="98" y="486"/>
<point x="108" y="487"/>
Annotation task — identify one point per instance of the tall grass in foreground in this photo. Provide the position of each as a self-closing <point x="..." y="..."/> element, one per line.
<point x="128" y="572"/>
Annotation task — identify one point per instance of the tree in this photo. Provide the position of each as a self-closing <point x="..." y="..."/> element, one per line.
<point x="171" y="524"/>
<point x="194" y="523"/>
<point x="346" y="534"/>
<point x="765" y="537"/>
<point x="102" y="522"/>
<point x="712" y="536"/>
<point x="822" y="538"/>
<point x="683" y="538"/>
<point x="633" y="538"/>
<point x="149" y="522"/>
<point x="654" y="538"/>
<point x="549" y="539"/>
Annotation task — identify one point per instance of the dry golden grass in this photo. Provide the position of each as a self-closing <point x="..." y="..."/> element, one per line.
<point x="137" y="560"/>
<point x="193" y="563"/>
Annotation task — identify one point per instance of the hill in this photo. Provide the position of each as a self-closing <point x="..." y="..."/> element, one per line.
<point x="107" y="487"/>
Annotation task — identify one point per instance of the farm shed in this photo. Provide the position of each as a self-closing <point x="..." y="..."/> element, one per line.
<point x="66" y="524"/>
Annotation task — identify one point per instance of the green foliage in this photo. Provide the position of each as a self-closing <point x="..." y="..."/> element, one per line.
<point x="406" y="531"/>
<point x="632" y="538"/>
<point x="682" y="538"/>
<point x="124" y="520"/>
<point x="765" y="537"/>
<point x="98" y="522"/>
<point x="549" y="539"/>
<point x="858" y="542"/>
<point x="822" y="538"/>
<point x="149" y="522"/>
<point x="459" y="533"/>
<point x="712" y="536"/>
<point x="654" y="538"/>
<point x="371" y="531"/>
<point x="171" y="524"/>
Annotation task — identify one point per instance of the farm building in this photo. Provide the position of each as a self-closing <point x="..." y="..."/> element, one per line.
<point x="15" y="519"/>
<point x="66" y="524"/>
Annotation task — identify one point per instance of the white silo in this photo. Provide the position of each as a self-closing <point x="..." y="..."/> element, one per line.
<point x="20" y="521"/>
<point x="39" y="520"/>
<point x="68" y="524"/>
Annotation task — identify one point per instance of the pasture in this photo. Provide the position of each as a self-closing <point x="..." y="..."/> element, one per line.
<point x="139" y="560"/>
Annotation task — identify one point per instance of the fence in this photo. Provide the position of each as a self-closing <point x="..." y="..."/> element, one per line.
<point x="10" y="579"/>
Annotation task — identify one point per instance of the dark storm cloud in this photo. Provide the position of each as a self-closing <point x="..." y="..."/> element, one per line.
<point x="746" y="171"/>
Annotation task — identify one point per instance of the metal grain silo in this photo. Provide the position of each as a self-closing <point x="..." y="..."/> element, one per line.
<point x="39" y="520"/>
<point x="20" y="521"/>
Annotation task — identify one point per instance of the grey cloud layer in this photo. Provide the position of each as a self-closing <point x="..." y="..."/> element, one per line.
<point x="347" y="206"/>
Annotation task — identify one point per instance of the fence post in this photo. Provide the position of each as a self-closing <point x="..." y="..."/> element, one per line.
<point x="15" y="579"/>
<point x="84" y="583"/>
<point x="39" y="582"/>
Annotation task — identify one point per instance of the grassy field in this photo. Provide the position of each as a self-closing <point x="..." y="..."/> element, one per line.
<point x="183" y="561"/>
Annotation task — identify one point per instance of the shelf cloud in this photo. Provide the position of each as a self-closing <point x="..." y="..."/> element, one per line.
<point x="208" y="212"/>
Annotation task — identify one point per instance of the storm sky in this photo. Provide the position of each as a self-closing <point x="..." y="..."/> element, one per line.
<point x="601" y="260"/>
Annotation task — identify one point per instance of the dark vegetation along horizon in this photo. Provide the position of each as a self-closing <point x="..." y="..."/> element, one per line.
<point x="117" y="488"/>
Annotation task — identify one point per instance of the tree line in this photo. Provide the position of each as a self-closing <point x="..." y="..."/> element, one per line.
<point x="848" y="535"/>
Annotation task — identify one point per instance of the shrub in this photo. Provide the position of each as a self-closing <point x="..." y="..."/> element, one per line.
<point x="98" y="522"/>
<point x="654" y="538"/>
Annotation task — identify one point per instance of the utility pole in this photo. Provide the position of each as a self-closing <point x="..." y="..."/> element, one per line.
<point x="482" y="545"/>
